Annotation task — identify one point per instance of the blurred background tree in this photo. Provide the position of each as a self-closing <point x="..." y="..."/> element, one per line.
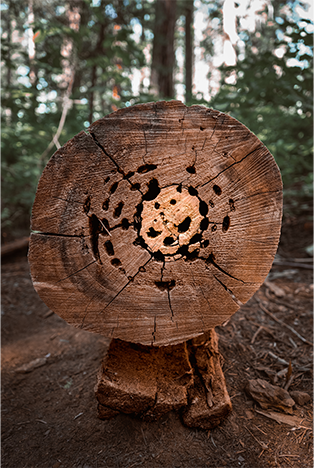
<point x="68" y="63"/>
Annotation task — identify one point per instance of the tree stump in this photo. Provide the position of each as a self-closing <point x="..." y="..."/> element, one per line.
<point x="152" y="229"/>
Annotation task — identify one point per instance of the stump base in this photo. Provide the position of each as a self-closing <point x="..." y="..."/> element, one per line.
<point x="148" y="381"/>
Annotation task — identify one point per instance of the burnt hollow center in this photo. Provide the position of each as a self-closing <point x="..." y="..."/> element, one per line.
<point x="173" y="221"/>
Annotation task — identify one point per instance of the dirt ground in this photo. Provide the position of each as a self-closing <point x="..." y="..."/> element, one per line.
<point x="49" y="414"/>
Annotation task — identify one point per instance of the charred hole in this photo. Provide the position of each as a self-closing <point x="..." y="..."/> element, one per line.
<point x="225" y="224"/>
<point x="173" y="201"/>
<point x="115" y="262"/>
<point x="137" y="223"/>
<point x="140" y="241"/>
<point x="157" y="205"/>
<point x="86" y="206"/>
<point x="125" y="224"/>
<point x="202" y="129"/>
<point x="211" y="203"/>
<point x="192" y="191"/>
<point x="203" y="208"/>
<point x="191" y="170"/>
<point x="94" y="230"/>
<point x="106" y="180"/>
<point x="105" y="205"/>
<point x="159" y="256"/>
<point x="183" y="250"/>
<point x="185" y="225"/>
<point x="165" y="285"/>
<point x="109" y="248"/>
<point x="118" y="209"/>
<point x="205" y="243"/>
<point x="152" y="233"/>
<point x="146" y="168"/>
<point x="191" y="256"/>
<point x="214" y="228"/>
<point x="153" y="190"/>
<point x="169" y="240"/>
<point x="179" y="188"/>
<point x="135" y="187"/>
<point x="217" y="189"/>
<point x="204" y="224"/>
<point x="231" y="203"/>
<point x="113" y="187"/>
<point x="137" y="217"/>
<point x="139" y="208"/>
<point x="196" y="238"/>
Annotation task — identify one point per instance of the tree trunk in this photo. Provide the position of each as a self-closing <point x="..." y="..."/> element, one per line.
<point x="91" y="94"/>
<point x="7" y="95"/>
<point x="157" y="225"/>
<point x="188" y="50"/>
<point x="99" y="49"/>
<point x="163" y="48"/>
<point x="31" y="44"/>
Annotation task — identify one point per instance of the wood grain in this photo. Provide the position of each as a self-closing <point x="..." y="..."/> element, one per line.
<point x="156" y="225"/>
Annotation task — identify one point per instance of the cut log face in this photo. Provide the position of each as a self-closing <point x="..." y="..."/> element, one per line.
<point x="157" y="225"/>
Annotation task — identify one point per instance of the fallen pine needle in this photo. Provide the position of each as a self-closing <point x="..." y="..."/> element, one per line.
<point x="289" y="456"/>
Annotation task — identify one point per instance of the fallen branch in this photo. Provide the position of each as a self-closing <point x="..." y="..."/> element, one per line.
<point x="284" y="324"/>
<point x="293" y="264"/>
<point x="67" y="103"/>
<point x="13" y="246"/>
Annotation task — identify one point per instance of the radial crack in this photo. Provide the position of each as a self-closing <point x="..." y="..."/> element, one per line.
<point x="210" y="260"/>
<point x="162" y="270"/>
<point x="76" y="272"/>
<point x="239" y="303"/>
<point x="114" y="162"/>
<point x="204" y="143"/>
<point x="155" y="328"/>
<point x="231" y="165"/>
<point x="104" y="151"/>
<point x="169" y="301"/>
<point x="86" y="311"/>
<point x="126" y="285"/>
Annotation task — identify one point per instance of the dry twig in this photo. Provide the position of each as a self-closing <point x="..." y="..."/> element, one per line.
<point x="284" y="324"/>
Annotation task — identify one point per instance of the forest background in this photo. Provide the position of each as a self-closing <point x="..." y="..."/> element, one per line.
<point x="66" y="64"/>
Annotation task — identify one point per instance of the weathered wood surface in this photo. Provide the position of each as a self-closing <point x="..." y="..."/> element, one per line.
<point x="157" y="225"/>
<point x="150" y="381"/>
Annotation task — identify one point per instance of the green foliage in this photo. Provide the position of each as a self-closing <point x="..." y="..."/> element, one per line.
<point x="273" y="96"/>
<point x="272" y="93"/>
<point x="105" y="53"/>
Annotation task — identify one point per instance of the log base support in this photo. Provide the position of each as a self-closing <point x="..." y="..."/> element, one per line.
<point x="148" y="382"/>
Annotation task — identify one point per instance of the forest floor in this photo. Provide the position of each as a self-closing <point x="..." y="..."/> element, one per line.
<point x="49" y="414"/>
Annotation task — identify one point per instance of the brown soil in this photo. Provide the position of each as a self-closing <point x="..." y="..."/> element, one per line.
<point x="49" y="415"/>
